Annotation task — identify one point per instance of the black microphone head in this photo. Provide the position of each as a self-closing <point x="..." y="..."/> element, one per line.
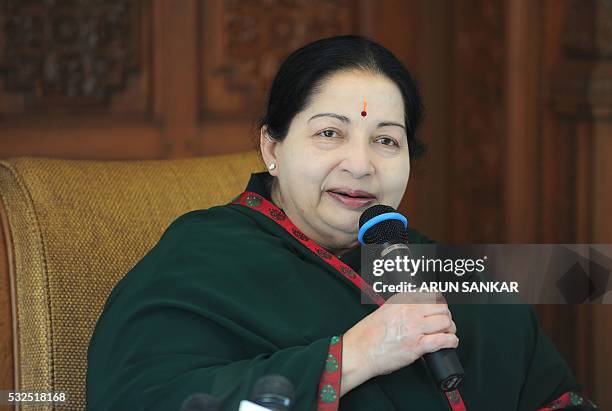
<point x="201" y="402"/>
<point x="386" y="231"/>
<point x="274" y="392"/>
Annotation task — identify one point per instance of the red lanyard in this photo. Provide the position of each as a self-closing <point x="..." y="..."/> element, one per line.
<point x="257" y="202"/>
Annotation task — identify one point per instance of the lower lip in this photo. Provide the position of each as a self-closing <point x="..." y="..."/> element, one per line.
<point x="351" y="201"/>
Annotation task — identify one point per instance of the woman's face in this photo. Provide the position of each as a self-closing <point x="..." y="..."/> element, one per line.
<point x="334" y="162"/>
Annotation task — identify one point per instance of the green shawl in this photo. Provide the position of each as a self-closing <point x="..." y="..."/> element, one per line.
<point x="228" y="295"/>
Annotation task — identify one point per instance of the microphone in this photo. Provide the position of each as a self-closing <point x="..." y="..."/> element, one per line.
<point x="274" y="392"/>
<point x="201" y="402"/>
<point x="383" y="225"/>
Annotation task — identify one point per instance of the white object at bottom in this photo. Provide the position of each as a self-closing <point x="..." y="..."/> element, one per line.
<point x="251" y="406"/>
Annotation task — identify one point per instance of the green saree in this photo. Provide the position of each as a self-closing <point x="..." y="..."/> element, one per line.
<point x="232" y="293"/>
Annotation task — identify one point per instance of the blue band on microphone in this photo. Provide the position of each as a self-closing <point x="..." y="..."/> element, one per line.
<point x="375" y="220"/>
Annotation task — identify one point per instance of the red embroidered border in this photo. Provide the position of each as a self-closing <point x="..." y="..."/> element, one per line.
<point x="566" y="400"/>
<point x="259" y="203"/>
<point x="329" y="385"/>
<point x="455" y="401"/>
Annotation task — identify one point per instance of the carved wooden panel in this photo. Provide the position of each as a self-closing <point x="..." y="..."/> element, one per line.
<point x="574" y="155"/>
<point x="243" y="43"/>
<point x="67" y="54"/>
<point x="588" y="29"/>
<point x="478" y="121"/>
<point x="582" y="82"/>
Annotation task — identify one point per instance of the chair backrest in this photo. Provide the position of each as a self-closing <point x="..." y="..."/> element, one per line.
<point x="72" y="229"/>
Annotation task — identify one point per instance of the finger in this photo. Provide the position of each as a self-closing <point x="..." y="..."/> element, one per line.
<point x="453" y="328"/>
<point x="428" y="298"/>
<point x="436" y="342"/>
<point x="412" y="298"/>
<point x="435" y="309"/>
<point x="440" y="298"/>
<point x="437" y="324"/>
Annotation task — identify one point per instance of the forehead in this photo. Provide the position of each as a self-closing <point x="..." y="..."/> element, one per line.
<point x="347" y="90"/>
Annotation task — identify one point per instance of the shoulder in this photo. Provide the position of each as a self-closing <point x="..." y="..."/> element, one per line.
<point x="224" y="218"/>
<point x="209" y="234"/>
<point x="195" y="243"/>
<point x="212" y="227"/>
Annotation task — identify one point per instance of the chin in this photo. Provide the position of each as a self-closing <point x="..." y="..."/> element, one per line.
<point x="343" y="219"/>
<point x="347" y="223"/>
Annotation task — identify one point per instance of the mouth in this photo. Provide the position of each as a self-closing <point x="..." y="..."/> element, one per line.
<point x="352" y="198"/>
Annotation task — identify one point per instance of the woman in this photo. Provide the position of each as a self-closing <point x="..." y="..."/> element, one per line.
<point x="268" y="283"/>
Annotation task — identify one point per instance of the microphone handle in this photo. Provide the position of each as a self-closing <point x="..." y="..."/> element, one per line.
<point x="445" y="368"/>
<point x="443" y="365"/>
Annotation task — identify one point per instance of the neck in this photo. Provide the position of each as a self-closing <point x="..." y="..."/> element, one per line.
<point x="275" y="196"/>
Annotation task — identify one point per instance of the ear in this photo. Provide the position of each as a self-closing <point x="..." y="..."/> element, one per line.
<point x="268" y="150"/>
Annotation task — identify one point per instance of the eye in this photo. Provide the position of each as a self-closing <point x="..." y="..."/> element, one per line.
<point x="328" y="133"/>
<point x="387" y="141"/>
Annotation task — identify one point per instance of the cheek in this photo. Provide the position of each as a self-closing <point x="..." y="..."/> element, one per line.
<point x="394" y="181"/>
<point x="309" y="169"/>
<point x="305" y="179"/>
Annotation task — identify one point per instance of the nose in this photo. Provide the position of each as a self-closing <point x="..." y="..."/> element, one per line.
<point x="357" y="159"/>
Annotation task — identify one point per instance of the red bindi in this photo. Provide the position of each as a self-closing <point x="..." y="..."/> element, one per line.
<point x="363" y="114"/>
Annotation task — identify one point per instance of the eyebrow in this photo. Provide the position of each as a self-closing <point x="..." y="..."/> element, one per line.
<point x="389" y="123"/>
<point x="346" y="120"/>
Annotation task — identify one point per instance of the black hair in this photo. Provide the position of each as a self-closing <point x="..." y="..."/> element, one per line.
<point x="303" y="71"/>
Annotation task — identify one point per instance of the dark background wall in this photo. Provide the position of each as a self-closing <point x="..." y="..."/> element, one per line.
<point x="518" y="96"/>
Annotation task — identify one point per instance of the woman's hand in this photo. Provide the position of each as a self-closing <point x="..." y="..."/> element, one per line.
<point x="407" y="326"/>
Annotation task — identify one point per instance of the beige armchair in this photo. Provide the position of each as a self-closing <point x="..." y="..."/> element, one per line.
<point x="70" y="231"/>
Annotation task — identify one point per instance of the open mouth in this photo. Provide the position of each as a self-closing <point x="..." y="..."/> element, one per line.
<point x="352" y="198"/>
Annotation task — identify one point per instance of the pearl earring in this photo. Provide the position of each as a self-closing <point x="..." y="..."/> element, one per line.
<point x="272" y="166"/>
